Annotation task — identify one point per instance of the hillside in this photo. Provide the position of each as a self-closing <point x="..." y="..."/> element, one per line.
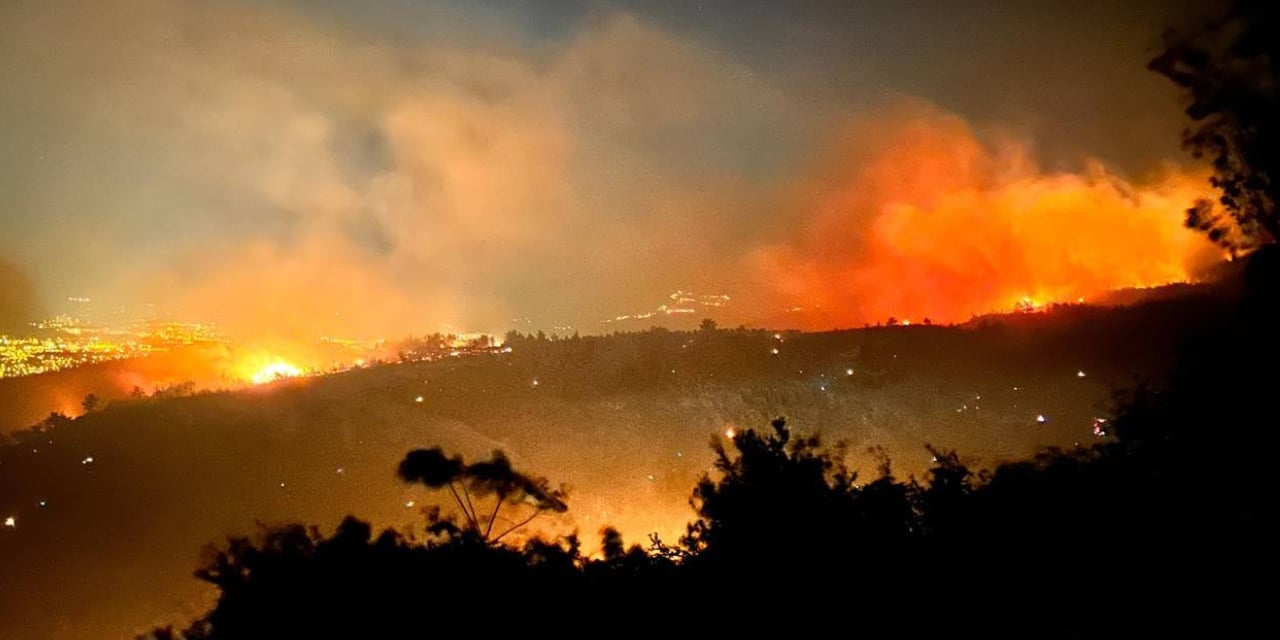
<point x="112" y="509"/>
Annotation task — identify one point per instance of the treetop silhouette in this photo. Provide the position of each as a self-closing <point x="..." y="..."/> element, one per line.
<point x="493" y="479"/>
<point x="1229" y="71"/>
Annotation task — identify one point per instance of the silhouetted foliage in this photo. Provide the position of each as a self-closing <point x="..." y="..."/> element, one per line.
<point x="292" y="582"/>
<point x="1229" y="69"/>
<point x="51" y="423"/>
<point x="494" y="479"/>
<point x="777" y="492"/>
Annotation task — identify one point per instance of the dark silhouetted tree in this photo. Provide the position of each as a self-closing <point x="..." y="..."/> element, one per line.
<point x="777" y="492"/>
<point x="944" y="501"/>
<point x="1229" y="70"/>
<point x="493" y="479"/>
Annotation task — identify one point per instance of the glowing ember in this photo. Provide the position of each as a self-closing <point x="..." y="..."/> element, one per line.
<point x="11" y="522"/>
<point x="1099" y="427"/>
<point x="275" y="371"/>
<point x="730" y="433"/>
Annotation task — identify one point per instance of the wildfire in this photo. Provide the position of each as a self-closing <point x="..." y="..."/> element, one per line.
<point x="917" y="217"/>
<point x="273" y="371"/>
<point x="1028" y="305"/>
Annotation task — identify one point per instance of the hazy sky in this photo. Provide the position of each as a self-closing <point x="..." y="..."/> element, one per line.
<point x="388" y="166"/>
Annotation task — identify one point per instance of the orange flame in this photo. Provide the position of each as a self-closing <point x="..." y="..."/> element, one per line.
<point x="262" y="367"/>
<point x="935" y="224"/>
<point x="275" y="371"/>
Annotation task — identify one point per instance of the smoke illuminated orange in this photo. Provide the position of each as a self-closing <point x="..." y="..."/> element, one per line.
<point x="933" y="223"/>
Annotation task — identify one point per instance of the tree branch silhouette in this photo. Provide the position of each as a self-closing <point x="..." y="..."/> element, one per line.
<point x="493" y="477"/>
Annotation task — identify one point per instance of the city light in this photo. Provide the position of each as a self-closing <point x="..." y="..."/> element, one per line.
<point x="65" y="342"/>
